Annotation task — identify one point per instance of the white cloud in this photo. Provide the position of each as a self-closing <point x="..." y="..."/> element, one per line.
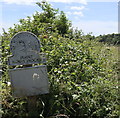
<point x="70" y="1"/>
<point x="97" y="27"/>
<point x="78" y="13"/>
<point x="77" y="8"/>
<point x="102" y="0"/>
<point x="19" y="2"/>
<point x="30" y="2"/>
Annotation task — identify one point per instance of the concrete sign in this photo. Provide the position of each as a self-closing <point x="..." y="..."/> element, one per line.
<point x="25" y="48"/>
<point x="29" y="81"/>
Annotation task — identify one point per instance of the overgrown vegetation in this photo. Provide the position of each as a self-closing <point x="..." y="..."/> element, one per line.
<point x="111" y="39"/>
<point x="82" y="72"/>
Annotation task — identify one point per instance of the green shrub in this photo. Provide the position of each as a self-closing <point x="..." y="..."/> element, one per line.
<point x="82" y="73"/>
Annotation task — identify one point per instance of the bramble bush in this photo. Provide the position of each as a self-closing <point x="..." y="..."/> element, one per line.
<point x="82" y="72"/>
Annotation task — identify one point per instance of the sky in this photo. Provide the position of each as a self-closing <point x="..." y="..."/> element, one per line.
<point x="91" y="16"/>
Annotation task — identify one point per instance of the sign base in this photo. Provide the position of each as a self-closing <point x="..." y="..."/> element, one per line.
<point x="29" y="81"/>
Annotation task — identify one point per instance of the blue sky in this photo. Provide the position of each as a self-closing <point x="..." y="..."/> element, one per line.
<point x="98" y="16"/>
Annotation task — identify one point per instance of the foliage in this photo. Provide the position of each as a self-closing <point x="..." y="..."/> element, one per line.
<point x="110" y="39"/>
<point x="46" y="22"/>
<point x="82" y="72"/>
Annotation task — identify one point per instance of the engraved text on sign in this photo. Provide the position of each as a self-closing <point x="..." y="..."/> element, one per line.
<point x="25" y="48"/>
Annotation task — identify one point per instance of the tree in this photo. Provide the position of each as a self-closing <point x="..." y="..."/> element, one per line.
<point x="62" y="23"/>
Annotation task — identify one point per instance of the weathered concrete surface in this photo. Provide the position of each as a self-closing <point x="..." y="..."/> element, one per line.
<point x="29" y="81"/>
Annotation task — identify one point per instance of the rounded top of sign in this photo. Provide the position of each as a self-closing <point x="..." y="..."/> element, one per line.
<point x="24" y="41"/>
<point x="25" y="48"/>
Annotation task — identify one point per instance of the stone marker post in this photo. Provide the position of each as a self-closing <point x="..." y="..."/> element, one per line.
<point x="28" y="81"/>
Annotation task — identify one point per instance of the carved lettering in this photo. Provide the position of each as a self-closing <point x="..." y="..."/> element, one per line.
<point x="25" y="48"/>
